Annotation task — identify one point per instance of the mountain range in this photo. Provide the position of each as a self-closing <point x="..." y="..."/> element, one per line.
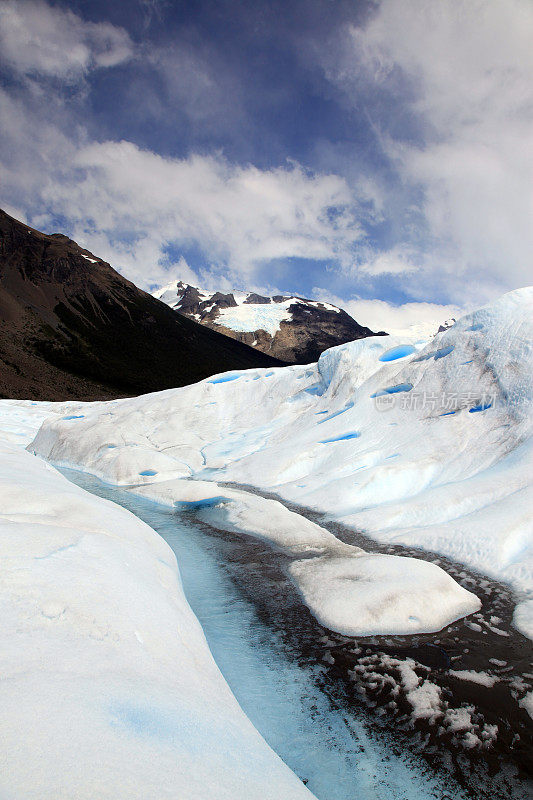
<point x="294" y="329"/>
<point x="71" y="327"/>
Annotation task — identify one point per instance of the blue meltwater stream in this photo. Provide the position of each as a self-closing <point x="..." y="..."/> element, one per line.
<point x="331" y="748"/>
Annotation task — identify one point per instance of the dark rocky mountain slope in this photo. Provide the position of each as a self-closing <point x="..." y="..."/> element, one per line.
<point x="288" y="327"/>
<point x="73" y="328"/>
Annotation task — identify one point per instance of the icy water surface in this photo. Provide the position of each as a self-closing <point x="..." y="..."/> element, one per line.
<point x="330" y="747"/>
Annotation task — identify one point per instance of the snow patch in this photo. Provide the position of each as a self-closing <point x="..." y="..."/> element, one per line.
<point x="481" y="678"/>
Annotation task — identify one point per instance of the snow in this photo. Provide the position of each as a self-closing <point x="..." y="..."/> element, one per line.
<point x="527" y="703"/>
<point x="320" y="304"/>
<point x="423" y="472"/>
<point x="347" y="590"/>
<point x="482" y="678"/>
<point x="108" y="688"/>
<point x="173" y="291"/>
<point x="380" y="594"/>
<point x="92" y="260"/>
<point x="244" y="317"/>
<point x="256" y="316"/>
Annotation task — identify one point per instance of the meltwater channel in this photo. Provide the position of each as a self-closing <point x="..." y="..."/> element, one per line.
<point x="329" y="747"/>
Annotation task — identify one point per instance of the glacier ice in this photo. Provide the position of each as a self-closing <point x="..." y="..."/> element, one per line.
<point x="108" y="688"/>
<point x="424" y="471"/>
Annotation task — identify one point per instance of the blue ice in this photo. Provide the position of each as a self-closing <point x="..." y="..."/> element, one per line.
<point x="195" y="505"/>
<point x="225" y="379"/>
<point x="444" y="351"/>
<point x="148" y="472"/>
<point x="75" y="416"/>
<point x="400" y="387"/>
<point x="316" y="388"/>
<point x="351" y="435"/>
<point x="335" y="413"/>
<point x="476" y="327"/>
<point x="480" y="407"/>
<point x="145" y="720"/>
<point x="397" y="352"/>
<point x="467" y="362"/>
<point x="436" y="354"/>
<point x="447" y="414"/>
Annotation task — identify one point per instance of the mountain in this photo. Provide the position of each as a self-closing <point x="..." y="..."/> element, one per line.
<point x="446" y="324"/>
<point x="73" y="328"/>
<point x="291" y="328"/>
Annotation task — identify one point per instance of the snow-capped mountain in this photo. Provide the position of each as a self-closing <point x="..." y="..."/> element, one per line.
<point x="72" y="327"/>
<point x="288" y="327"/>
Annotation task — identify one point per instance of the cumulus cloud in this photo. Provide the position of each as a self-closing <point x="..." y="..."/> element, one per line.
<point x="237" y="216"/>
<point x="457" y="76"/>
<point x="418" y="318"/>
<point x="37" y="39"/>
<point x="398" y="260"/>
<point x="441" y="210"/>
<point x="132" y="206"/>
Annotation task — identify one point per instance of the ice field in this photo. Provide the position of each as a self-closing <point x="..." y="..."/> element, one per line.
<point x="108" y="688"/>
<point x="425" y="444"/>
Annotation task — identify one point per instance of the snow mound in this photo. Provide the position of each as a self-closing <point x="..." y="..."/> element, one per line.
<point x="364" y="595"/>
<point x="346" y="589"/>
<point x="108" y="688"/>
<point x="442" y="463"/>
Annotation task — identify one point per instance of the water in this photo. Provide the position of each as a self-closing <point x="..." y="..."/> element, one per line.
<point x="329" y="746"/>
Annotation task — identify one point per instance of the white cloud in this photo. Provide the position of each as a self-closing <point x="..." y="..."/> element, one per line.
<point x="37" y="39"/>
<point x="238" y="216"/>
<point x="454" y="78"/>
<point x="131" y="206"/>
<point x="421" y="319"/>
<point x="396" y="261"/>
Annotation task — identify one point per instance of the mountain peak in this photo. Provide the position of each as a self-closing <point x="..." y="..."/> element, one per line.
<point x="74" y="328"/>
<point x="289" y="327"/>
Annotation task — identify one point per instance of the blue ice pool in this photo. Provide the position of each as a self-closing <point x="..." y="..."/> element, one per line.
<point x="480" y="407"/>
<point x="225" y="379"/>
<point x="342" y="437"/>
<point x="394" y="353"/>
<point x="399" y="387"/>
<point x="329" y="746"/>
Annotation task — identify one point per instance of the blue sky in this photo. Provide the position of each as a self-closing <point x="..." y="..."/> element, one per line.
<point x="376" y="154"/>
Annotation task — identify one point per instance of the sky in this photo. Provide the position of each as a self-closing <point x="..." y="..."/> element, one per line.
<point x="378" y="155"/>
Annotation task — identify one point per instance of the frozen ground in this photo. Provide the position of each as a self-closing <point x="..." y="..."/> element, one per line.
<point x="347" y="589"/>
<point x="108" y="688"/>
<point x="259" y="651"/>
<point x="426" y="445"/>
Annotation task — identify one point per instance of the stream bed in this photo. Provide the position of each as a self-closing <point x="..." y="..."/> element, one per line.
<point x="317" y="697"/>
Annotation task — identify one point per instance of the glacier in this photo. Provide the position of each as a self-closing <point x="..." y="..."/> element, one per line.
<point x="108" y="687"/>
<point x="426" y="444"/>
<point x="424" y="470"/>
